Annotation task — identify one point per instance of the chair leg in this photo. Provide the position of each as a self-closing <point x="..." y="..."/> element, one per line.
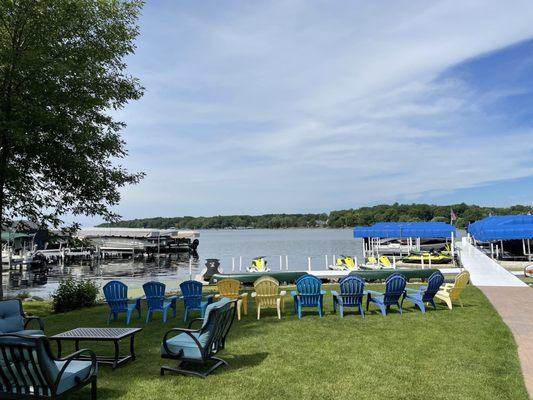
<point x="93" y="389"/>
<point x="239" y="305"/>
<point x="334" y="305"/>
<point x="299" y="311"/>
<point x="383" y="309"/>
<point x="460" y="302"/>
<point x="165" y="314"/>
<point x="361" y="311"/>
<point x="148" y="315"/>
<point x="367" y="302"/>
<point x="186" y="314"/>
<point x="245" y="305"/>
<point x="109" y="318"/>
<point x="128" y="317"/>
<point x="449" y="303"/>
<point x="258" y="312"/>
<point x="341" y="311"/>
<point x="278" y="306"/>
<point x="422" y="307"/>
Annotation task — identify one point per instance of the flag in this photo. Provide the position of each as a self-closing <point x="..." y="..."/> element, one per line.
<point x="453" y="217"/>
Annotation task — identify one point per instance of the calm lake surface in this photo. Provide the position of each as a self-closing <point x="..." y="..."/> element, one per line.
<point x="227" y="245"/>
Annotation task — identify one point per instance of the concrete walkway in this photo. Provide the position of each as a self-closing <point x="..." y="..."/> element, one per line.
<point x="514" y="304"/>
<point x="484" y="271"/>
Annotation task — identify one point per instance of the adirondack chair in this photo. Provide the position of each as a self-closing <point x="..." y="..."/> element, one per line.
<point x="13" y="319"/>
<point x="28" y="370"/>
<point x="155" y="299"/>
<point x="351" y="294"/>
<point x="116" y="297"/>
<point x="268" y="295"/>
<point x="192" y="298"/>
<point x="394" y="289"/>
<point x="308" y="293"/>
<point x="230" y="288"/>
<point x="451" y="292"/>
<point x="200" y="346"/>
<point x="426" y="293"/>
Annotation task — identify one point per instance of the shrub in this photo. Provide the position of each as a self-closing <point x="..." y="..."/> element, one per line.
<point x="74" y="294"/>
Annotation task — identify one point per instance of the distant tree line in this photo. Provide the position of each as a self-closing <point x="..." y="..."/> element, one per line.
<point x="336" y="219"/>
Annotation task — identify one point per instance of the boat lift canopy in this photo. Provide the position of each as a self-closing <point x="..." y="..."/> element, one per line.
<point x="403" y="230"/>
<point x="502" y="227"/>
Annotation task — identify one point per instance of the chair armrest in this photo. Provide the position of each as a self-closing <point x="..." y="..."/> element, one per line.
<point x="72" y="357"/>
<point x="294" y="293"/>
<point x="188" y="332"/>
<point x="282" y="293"/>
<point x="210" y="298"/>
<point x="195" y="320"/>
<point x="254" y="294"/>
<point x="245" y="294"/>
<point x="334" y="293"/>
<point x="323" y="292"/>
<point x="29" y="318"/>
<point x="413" y="290"/>
<point x="373" y="292"/>
<point x="173" y="298"/>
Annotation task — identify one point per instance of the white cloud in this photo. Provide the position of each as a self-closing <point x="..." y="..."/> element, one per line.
<point x="298" y="105"/>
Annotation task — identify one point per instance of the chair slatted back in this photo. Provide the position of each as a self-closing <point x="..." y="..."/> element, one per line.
<point x="218" y="320"/>
<point x="229" y="288"/>
<point x="155" y="294"/>
<point x="351" y="290"/>
<point x="394" y="288"/>
<point x="192" y="293"/>
<point x="308" y="287"/>
<point x="26" y="366"/>
<point x="116" y="295"/>
<point x="267" y="289"/>
<point x="434" y="282"/>
<point x="461" y="281"/>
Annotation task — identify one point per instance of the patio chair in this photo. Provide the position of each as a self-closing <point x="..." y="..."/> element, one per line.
<point x="231" y="288"/>
<point x="116" y="297"/>
<point x="13" y="319"/>
<point x="200" y="346"/>
<point x="308" y="293"/>
<point x="426" y="293"/>
<point x="351" y="294"/>
<point x="192" y="298"/>
<point x="155" y="299"/>
<point x="28" y="370"/>
<point x="394" y="289"/>
<point x="268" y="295"/>
<point x="451" y="292"/>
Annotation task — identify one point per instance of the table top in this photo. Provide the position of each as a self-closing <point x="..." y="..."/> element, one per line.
<point x="97" y="333"/>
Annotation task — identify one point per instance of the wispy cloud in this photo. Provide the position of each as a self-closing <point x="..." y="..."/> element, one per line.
<point x="290" y="106"/>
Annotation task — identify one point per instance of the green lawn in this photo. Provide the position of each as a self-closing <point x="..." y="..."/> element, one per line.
<point x="461" y="354"/>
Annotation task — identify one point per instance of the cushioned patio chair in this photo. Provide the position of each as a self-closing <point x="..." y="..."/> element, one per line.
<point x="13" y="319"/>
<point x="231" y="288"/>
<point x="192" y="298"/>
<point x="308" y="293"/>
<point x="156" y="301"/>
<point x="200" y="346"/>
<point x="28" y="370"/>
<point x="351" y="294"/>
<point x="268" y="295"/>
<point x="451" y="292"/>
<point x="116" y="297"/>
<point x="394" y="289"/>
<point x="426" y="293"/>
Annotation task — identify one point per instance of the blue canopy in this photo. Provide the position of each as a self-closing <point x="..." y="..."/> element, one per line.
<point x="502" y="227"/>
<point x="428" y="230"/>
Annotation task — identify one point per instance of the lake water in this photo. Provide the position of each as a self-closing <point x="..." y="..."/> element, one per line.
<point x="227" y="245"/>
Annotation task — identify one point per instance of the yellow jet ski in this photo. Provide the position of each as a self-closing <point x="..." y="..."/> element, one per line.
<point x="259" y="264"/>
<point x="344" y="263"/>
<point x="436" y="258"/>
<point x="373" y="263"/>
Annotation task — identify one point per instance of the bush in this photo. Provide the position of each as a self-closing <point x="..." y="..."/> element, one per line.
<point x="74" y="294"/>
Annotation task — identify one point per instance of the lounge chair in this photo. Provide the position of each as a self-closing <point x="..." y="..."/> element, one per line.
<point x="426" y="293"/>
<point x="192" y="298"/>
<point x="268" y="295"/>
<point x="231" y="288"/>
<point x="116" y="297"/>
<point x="451" y="292"/>
<point x="200" y="346"/>
<point x="351" y="294"/>
<point x="28" y="370"/>
<point x="308" y="293"/>
<point x="13" y="319"/>
<point x="394" y="289"/>
<point x="156" y="301"/>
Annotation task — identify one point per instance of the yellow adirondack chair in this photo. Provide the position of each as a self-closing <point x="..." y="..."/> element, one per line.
<point x="451" y="292"/>
<point x="230" y="288"/>
<point x="267" y="295"/>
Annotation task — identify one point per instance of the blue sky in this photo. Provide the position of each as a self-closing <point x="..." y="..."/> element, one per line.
<point x="310" y="106"/>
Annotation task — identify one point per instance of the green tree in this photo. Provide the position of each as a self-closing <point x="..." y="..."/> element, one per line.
<point x="62" y="73"/>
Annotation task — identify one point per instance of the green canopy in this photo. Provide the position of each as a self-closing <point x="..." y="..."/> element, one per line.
<point x="9" y="236"/>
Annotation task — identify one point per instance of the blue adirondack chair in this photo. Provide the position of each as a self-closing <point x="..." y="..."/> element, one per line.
<point x="116" y="296"/>
<point x="394" y="289"/>
<point x="426" y="293"/>
<point x="192" y="298"/>
<point x="351" y="295"/>
<point x="308" y="294"/>
<point x="155" y="299"/>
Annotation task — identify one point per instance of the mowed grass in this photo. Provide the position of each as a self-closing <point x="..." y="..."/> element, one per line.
<point x="466" y="353"/>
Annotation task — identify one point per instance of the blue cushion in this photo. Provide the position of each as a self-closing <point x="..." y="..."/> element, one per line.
<point x="377" y="299"/>
<point x="10" y="316"/>
<point x="30" y="332"/>
<point x="185" y="343"/>
<point x="76" y="371"/>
